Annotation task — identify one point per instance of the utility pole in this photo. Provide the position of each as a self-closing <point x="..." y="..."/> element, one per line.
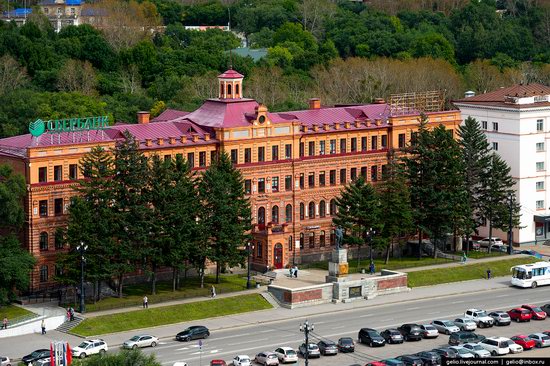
<point x="511" y="224"/>
<point x="82" y="249"/>
<point x="249" y="249"/>
<point x="306" y="328"/>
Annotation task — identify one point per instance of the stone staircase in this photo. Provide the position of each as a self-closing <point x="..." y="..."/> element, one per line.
<point x="68" y="325"/>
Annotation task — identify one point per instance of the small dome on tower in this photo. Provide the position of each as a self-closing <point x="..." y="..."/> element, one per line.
<point x="230" y="83"/>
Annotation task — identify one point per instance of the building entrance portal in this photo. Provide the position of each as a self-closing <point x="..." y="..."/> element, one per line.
<point x="278" y="256"/>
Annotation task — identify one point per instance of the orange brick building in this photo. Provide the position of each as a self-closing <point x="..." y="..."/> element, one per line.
<point x="294" y="165"/>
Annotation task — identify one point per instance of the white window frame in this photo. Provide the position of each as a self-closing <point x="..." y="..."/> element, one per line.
<point x="539" y="185"/>
<point x="483" y="125"/>
<point x="495" y="146"/>
<point x="495" y="126"/>
<point x="539" y="204"/>
<point x="540" y="166"/>
<point x="540" y="125"/>
<point x="540" y="146"/>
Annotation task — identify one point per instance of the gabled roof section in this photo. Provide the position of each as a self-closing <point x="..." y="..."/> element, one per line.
<point x="512" y="96"/>
<point x="223" y="113"/>
<point x="330" y="116"/>
<point x="169" y="115"/>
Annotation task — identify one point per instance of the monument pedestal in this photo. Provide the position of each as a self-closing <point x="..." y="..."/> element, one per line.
<point x="338" y="267"/>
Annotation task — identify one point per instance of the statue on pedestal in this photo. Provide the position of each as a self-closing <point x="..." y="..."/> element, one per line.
<point x="339" y="237"/>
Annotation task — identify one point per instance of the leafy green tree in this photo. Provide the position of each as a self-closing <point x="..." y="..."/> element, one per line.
<point x="226" y="213"/>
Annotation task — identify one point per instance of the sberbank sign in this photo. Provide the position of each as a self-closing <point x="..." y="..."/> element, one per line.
<point x="39" y="126"/>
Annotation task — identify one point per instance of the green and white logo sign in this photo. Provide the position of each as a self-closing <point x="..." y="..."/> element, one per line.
<point x="38" y="127"/>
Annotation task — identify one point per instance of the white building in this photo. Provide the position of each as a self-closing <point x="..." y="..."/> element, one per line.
<point x="516" y="121"/>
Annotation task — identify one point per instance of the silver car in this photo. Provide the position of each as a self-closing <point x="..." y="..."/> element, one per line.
<point x="465" y="324"/>
<point x="312" y="350"/>
<point x="445" y="326"/>
<point x="5" y="361"/>
<point x="139" y="341"/>
<point x="541" y="339"/>
<point x="462" y="352"/>
<point x="477" y="350"/>
<point x="500" y="317"/>
<point x="41" y="362"/>
<point x="429" y="331"/>
<point x="266" y="358"/>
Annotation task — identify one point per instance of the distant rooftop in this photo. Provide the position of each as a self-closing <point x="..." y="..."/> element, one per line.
<point x="516" y="96"/>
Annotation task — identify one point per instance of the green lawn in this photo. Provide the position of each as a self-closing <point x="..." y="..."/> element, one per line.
<point x="13" y="313"/>
<point x="479" y="254"/>
<point x="465" y="272"/>
<point x="170" y="314"/>
<point x="394" y="263"/>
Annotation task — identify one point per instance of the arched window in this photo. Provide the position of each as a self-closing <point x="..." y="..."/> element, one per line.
<point x="311" y="239"/>
<point x="58" y="239"/>
<point x="288" y="213"/>
<point x="302" y="211"/>
<point x="322" y="238"/>
<point x="261" y="218"/>
<point x="332" y="237"/>
<point x="311" y="209"/>
<point x="221" y="90"/>
<point x="301" y="240"/>
<point x="229" y="89"/>
<point x="290" y="244"/>
<point x="332" y="209"/>
<point x="43" y="240"/>
<point x="260" y="250"/>
<point x="322" y="209"/>
<point x="44" y="273"/>
<point x="275" y="214"/>
<point x="237" y="89"/>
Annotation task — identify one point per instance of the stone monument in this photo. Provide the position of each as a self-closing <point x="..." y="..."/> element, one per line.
<point x="338" y="267"/>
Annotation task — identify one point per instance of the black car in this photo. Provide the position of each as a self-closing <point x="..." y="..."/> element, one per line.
<point x="194" y="332"/>
<point x="346" y="344"/>
<point x="392" y="336"/>
<point x="546" y="308"/>
<point x="461" y="337"/>
<point x="411" y="360"/>
<point x="429" y="357"/>
<point x="36" y="355"/>
<point x="410" y="332"/>
<point x="327" y="347"/>
<point x="446" y="352"/>
<point x="371" y="337"/>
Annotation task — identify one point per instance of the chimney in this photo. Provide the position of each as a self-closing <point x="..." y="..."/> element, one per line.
<point x="195" y="137"/>
<point x="357" y="123"/>
<point x="469" y="94"/>
<point x="183" y="139"/>
<point x="148" y="142"/>
<point x="379" y="101"/>
<point x="347" y="124"/>
<point x="326" y="126"/>
<point x="160" y="141"/>
<point x="315" y="127"/>
<point x="206" y="137"/>
<point x="172" y="140"/>
<point x="314" y="103"/>
<point x="143" y="117"/>
<point x="336" y="125"/>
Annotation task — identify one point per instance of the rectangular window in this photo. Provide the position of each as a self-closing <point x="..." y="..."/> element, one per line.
<point x="384" y="143"/>
<point x="73" y="171"/>
<point x="311" y="180"/>
<point x="384" y="171"/>
<point x="353" y="174"/>
<point x="261" y="154"/>
<point x="374" y="173"/>
<point x="288" y="151"/>
<point x="275" y="184"/>
<point x="322" y="179"/>
<point x="58" y="206"/>
<point x="302" y="149"/>
<point x="42" y="175"/>
<point x="401" y="142"/>
<point x="202" y="158"/>
<point x="540" y="166"/>
<point x="540" y="125"/>
<point x="483" y="125"/>
<point x="58" y="173"/>
<point x="343" y="176"/>
<point x="213" y="156"/>
<point x="540" y="146"/>
<point x="333" y="146"/>
<point x="374" y="143"/>
<point x="248" y="155"/>
<point x="495" y="126"/>
<point x="43" y="208"/>
<point x="311" y="148"/>
<point x="540" y="205"/>
<point x="540" y="186"/>
<point x="364" y="172"/>
<point x="353" y="144"/>
<point x="343" y="146"/>
<point x="234" y="156"/>
<point x="288" y="183"/>
<point x="322" y="147"/>
<point x="247" y="186"/>
<point x="191" y="160"/>
<point x="261" y="185"/>
<point x="275" y="153"/>
<point x="414" y="138"/>
<point x="364" y="143"/>
<point x="302" y="178"/>
<point x="332" y="177"/>
<point x="495" y="146"/>
<point x="167" y="157"/>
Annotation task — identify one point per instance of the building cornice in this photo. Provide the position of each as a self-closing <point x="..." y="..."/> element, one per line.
<point x="495" y="108"/>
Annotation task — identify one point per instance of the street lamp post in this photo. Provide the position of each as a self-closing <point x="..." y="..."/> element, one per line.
<point x="370" y="234"/>
<point x="511" y="224"/>
<point x="306" y="328"/>
<point x="82" y="249"/>
<point x="249" y="249"/>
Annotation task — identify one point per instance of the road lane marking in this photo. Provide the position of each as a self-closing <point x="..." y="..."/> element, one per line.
<point x="252" y="341"/>
<point x="366" y="315"/>
<point x="415" y="308"/>
<point x="434" y="312"/>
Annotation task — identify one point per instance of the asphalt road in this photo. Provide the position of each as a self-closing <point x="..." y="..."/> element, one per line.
<point x="251" y="340"/>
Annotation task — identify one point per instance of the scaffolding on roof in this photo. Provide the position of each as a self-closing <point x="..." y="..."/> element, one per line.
<point x="416" y="102"/>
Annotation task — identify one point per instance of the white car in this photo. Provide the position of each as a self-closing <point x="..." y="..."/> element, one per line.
<point x="494" y="242"/>
<point x="90" y="347"/>
<point x="514" y="347"/>
<point x="480" y="317"/>
<point x="5" y="361"/>
<point x="241" y="360"/>
<point x="42" y="362"/>
<point x="462" y="352"/>
<point x="180" y="363"/>
<point x="477" y="350"/>
<point x="429" y="331"/>
<point x="496" y="345"/>
<point x="445" y="326"/>
<point x="138" y="341"/>
<point x="286" y="354"/>
<point x="465" y="324"/>
<point x="267" y="359"/>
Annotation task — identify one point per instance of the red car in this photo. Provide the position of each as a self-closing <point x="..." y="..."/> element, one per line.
<point x="376" y="363"/>
<point x="536" y="312"/>
<point x="218" y="363"/>
<point x="520" y="314"/>
<point x="524" y="341"/>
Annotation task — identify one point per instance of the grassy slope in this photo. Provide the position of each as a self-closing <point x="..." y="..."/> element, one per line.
<point x="13" y="312"/>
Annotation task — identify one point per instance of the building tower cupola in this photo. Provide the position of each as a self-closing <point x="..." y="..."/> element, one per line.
<point x="230" y="85"/>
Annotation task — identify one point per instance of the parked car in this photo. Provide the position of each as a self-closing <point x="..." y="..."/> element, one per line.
<point x="477" y="350"/>
<point x="464" y="337"/>
<point x="43" y="362"/>
<point x="392" y="335"/>
<point x="496" y="345"/>
<point x="462" y="352"/>
<point x="90" y="347"/>
<point x="536" y="312"/>
<point x="465" y="324"/>
<point x="267" y="358"/>
<point x="327" y="348"/>
<point x="429" y="331"/>
<point x="138" y="341"/>
<point x="312" y="350"/>
<point x="445" y="326"/>
<point x="182" y="363"/>
<point x="218" y="363"/>
<point x="524" y="341"/>
<point x="520" y="314"/>
<point x="500" y="317"/>
<point x="546" y="308"/>
<point x="36" y="355"/>
<point x="541" y="339"/>
<point x="494" y="242"/>
<point x="345" y="344"/>
<point x="411" y="360"/>
<point x="371" y="337"/>
<point x="393" y="362"/>
<point x="446" y="352"/>
<point x="376" y="363"/>
<point x="480" y="317"/>
<point x="5" y="361"/>
<point x="410" y="332"/>
<point x="429" y="357"/>
<point x="514" y="347"/>
<point x="286" y="354"/>
<point x="241" y="360"/>
<point x="193" y="332"/>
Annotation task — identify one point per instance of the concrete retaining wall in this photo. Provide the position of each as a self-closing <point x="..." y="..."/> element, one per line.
<point x="33" y="326"/>
<point x="300" y="297"/>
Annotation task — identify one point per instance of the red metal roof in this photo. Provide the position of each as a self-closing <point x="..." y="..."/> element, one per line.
<point x="498" y="97"/>
<point x="230" y="74"/>
<point x="223" y="112"/>
<point x="169" y="115"/>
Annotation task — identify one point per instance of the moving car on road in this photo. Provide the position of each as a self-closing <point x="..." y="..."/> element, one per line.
<point x="371" y="337"/>
<point x="477" y="350"/>
<point x="520" y="314"/>
<point x="536" y="312"/>
<point x="312" y="350"/>
<point x="524" y="341"/>
<point x="241" y="360"/>
<point x="410" y="332"/>
<point x="480" y="317"/>
<point x="541" y="339"/>
<point x="193" y="332"/>
<point x="139" y="341"/>
<point x="327" y="347"/>
<point x="445" y="326"/>
<point x="429" y="331"/>
<point x="496" y="345"/>
<point x="286" y="354"/>
<point x="267" y="358"/>
<point x="463" y="352"/>
<point x="392" y="335"/>
<point x="36" y="355"/>
<point x="345" y="344"/>
<point x="465" y="324"/>
<point x="90" y="347"/>
<point x="500" y="317"/>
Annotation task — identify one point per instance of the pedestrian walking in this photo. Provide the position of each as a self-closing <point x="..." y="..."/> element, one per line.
<point x="295" y="271"/>
<point x="213" y="292"/>
<point x="464" y="258"/>
<point x="145" y="302"/>
<point x="71" y="313"/>
<point x="372" y="269"/>
<point x="68" y="314"/>
<point x="291" y="271"/>
<point x="5" y="323"/>
<point x="43" y="326"/>
<point x="488" y="273"/>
